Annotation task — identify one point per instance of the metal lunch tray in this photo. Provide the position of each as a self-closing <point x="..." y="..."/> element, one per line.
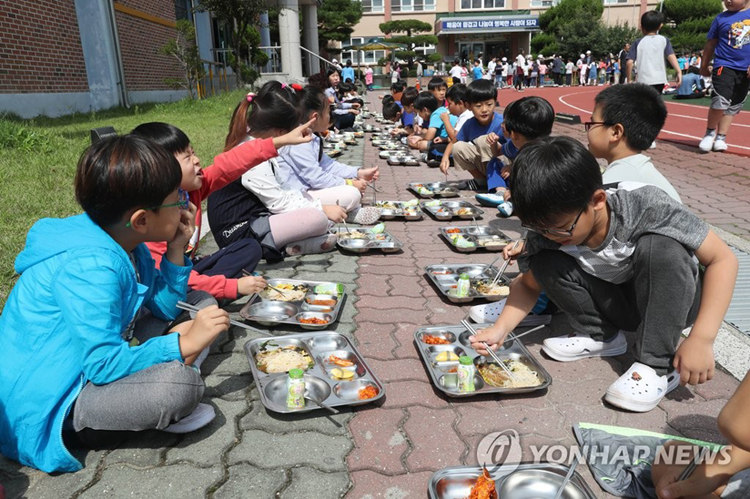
<point x="475" y="237"/>
<point x="436" y="189"/>
<point x="271" y="312"/>
<point x="540" y="480"/>
<point x="447" y="381"/>
<point x="445" y="210"/>
<point x="383" y="241"/>
<point x="319" y="382"/>
<point x="445" y="277"/>
<point x="392" y="209"/>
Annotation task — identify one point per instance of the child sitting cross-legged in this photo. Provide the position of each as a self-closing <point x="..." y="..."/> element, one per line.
<point x="614" y="261"/>
<point x="469" y="153"/>
<point x="87" y="289"/>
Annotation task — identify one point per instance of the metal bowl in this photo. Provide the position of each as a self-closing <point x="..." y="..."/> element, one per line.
<point x="328" y="318"/>
<point x="387" y="214"/>
<point x="268" y="313"/>
<point x="434" y="350"/>
<point x="326" y="341"/>
<point x="311" y="298"/>
<point x="481" y="230"/>
<point x="441" y="270"/>
<point x="384" y="154"/>
<point x="449" y="381"/>
<point x="473" y="271"/>
<point x="277" y="389"/>
<point x="349" y="390"/>
<point x="411" y="162"/>
<point x="354" y="245"/>
<point x="413" y="215"/>
<point x="443" y="215"/>
<point x="469" y="213"/>
<point x="356" y="368"/>
<point x="537" y="484"/>
<point x="446" y="335"/>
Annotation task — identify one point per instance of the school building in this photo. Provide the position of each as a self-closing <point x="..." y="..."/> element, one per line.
<point x="470" y="27"/>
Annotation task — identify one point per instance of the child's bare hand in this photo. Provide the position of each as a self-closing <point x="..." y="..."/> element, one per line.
<point x="250" y="284"/>
<point x="505" y="172"/>
<point x="694" y="360"/>
<point x="492" y="138"/>
<point x="361" y="185"/>
<point x="299" y="135"/>
<point x="444" y="165"/>
<point x="369" y="174"/>
<point x="493" y="336"/>
<point x="438" y="140"/>
<point x="334" y="213"/>
<point x="511" y="251"/>
<point x="185" y="230"/>
<point x="209" y="322"/>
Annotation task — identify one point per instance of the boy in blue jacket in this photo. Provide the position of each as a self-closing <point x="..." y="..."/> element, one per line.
<point x="70" y="328"/>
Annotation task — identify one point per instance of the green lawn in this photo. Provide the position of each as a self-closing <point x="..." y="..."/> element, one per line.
<point x="704" y="102"/>
<point x="38" y="161"/>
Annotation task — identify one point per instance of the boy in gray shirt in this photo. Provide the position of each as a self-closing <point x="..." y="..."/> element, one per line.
<point x="649" y="52"/>
<point x="615" y="261"/>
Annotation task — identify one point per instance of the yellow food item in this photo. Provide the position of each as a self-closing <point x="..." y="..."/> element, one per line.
<point x="446" y="356"/>
<point x="341" y="373"/>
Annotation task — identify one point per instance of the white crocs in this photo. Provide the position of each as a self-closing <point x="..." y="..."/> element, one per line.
<point x="200" y="417"/>
<point x="489" y="313"/>
<point x="580" y="346"/>
<point x="640" y="389"/>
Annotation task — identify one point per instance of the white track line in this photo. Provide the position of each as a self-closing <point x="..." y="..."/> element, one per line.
<point x="588" y="112"/>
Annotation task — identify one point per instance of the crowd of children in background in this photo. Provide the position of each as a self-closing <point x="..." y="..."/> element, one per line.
<point x="615" y="251"/>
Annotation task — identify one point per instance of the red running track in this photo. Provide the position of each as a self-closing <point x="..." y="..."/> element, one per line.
<point x="686" y="123"/>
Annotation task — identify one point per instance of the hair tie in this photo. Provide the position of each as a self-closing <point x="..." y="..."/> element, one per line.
<point x="297" y="87"/>
<point x="283" y="85"/>
<point x="250" y="97"/>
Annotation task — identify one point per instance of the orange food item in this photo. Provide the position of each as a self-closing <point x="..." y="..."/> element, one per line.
<point x="339" y="361"/>
<point x="313" y="320"/>
<point x="454" y="230"/>
<point x="434" y="340"/>
<point x="484" y="488"/>
<point x="327" y="303"/>
<point x="368" y="392"/>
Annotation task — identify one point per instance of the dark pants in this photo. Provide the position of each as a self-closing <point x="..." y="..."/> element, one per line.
<point x="342" y="121"/>
<point x="658" y="302"/>
<point x="231" y="260"/>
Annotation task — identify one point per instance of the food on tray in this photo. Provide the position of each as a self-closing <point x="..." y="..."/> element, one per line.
<point x="285" y="291"/>
<point x="312" y="320"/>
<point x="453" y="230"/>
<point x="352" y="234"/>
<point x="281" y="360"/>
<point x="410" y="203"/>
<point x="464" y="211"/>
<point x="378" y="229"/>
<point x="484" y="488"/>
<point x="483" y="287"/>
<point x="491" y="241"/>
<point x="321" y="301"/>
<point x="368" y="392"/>
<point x="339" y="361"/>
<point x="433" y="203"/>
<point x="342" y="374"/>
<point x="411" y="212"/>
<point x="461" y="242"/>
<point x="423" y="191"/>
<point x="442" y="272"/>
<point x="388" y="205"/>
<point x="329" y="288"/>
<point x="446" y="356"/>
<point x="434" y="340"/>
<point x="495" y="375"/>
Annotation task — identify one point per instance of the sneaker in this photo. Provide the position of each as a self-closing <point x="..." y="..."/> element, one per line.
<point x="423" y="157"/>
<point x="489" y="313"/>
<point x="707" y="142"/>
<point x="720" y="145"/>
<point x="200" y="417"/>
<point x="580" y="346"/>
<point x="364" y="216"/>
<point x="640" y="389"/>
<point x="490" y="199"/>
<point x="433" y="163"/>
<point x="312" y="245"/>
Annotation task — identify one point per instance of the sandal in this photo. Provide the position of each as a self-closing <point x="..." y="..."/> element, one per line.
<point x="640" y="389"/>
<point x="488" y="313"/>
<point x="580" y="346"/>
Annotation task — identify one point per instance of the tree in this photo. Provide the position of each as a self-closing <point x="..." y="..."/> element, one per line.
<point x="688" y="22"/>
<point x="336" y="20"/>
<point x="244" y="18"/>
<point x="184" y="49"/>
<point x="569" y="28"/>
<point x="408" y="26"/>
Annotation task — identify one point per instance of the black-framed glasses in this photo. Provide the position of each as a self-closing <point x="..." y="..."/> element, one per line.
<point x="557" y="232"/>
<point x="183" y="201"/>
<point x="587" y="126"/>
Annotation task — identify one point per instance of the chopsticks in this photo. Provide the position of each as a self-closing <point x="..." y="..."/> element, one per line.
<point x="280" y="291"/>
<point x="512" y="336"/>
<point x="344" y="220"/>
<point x="191" y="308"/>
<point x="494" y="356"/>
<point x="505" y="265"/>
<point x="691" y="467"/>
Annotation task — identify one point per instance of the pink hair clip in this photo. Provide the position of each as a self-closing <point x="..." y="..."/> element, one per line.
<point x="250" y="97"/>
<point x="283" y="85"/>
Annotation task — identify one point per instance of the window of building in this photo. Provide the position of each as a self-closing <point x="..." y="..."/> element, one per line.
<point x="424" y="49"/>
<point x="482" y="4"/>
<point x="365" y="56"/>
<point x="544" y="3"/>
<point x="182" y="10"/>
<point x="615" y="1"/>
<point x="412" y="5"/>
<point x="370" y="6"/>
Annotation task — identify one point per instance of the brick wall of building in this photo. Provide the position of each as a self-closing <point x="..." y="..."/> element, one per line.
<point x="140" y="41"/>
<point x="40" y="48"/>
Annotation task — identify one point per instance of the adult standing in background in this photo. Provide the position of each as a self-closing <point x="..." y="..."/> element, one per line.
<point x="622" y="56"/>
<point x="420" y="73"/>
<point x="395" y="74"/>
<point x="347" y="74"/>
<point x="490" y="75"/>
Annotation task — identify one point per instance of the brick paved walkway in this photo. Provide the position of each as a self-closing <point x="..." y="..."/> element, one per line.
<point x="391" y="450"/>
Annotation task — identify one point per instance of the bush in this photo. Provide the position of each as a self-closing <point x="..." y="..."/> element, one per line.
<point x="22" y="138"/>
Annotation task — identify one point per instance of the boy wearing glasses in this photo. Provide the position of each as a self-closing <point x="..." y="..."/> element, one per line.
<point x="625" y="121"/>
<point x="614" y="261"/>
